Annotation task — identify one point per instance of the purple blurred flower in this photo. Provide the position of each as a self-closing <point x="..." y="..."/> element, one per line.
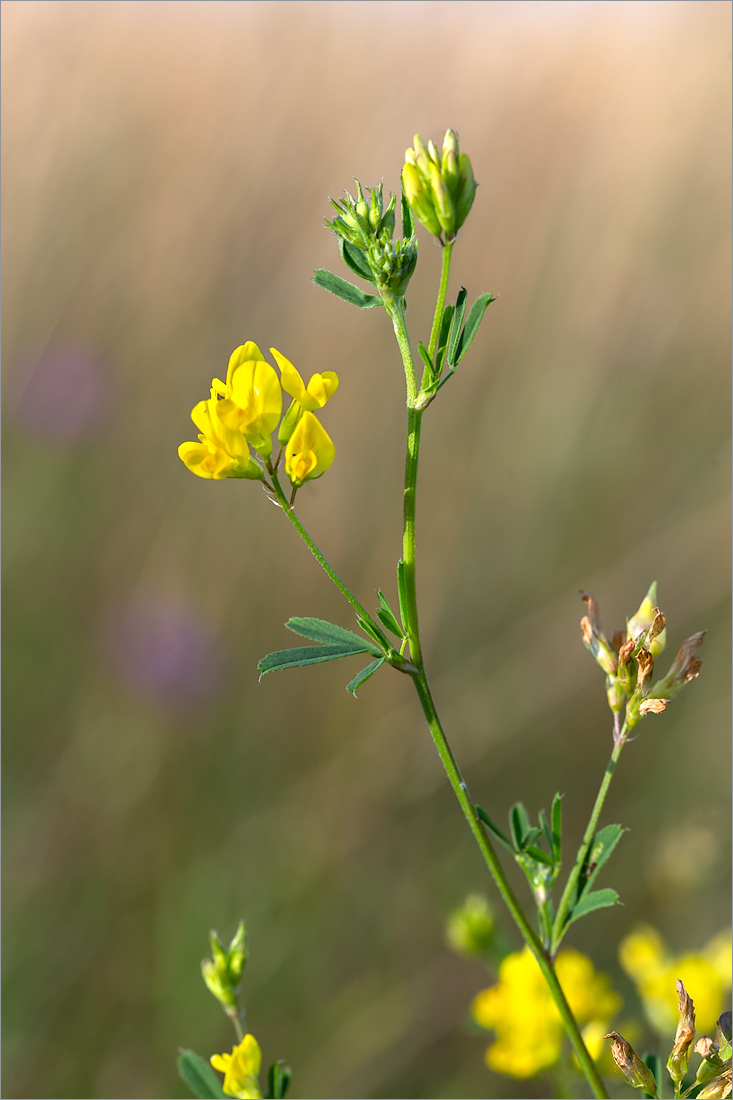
<point x="62" y="394"/>
<point x="166" y="652"/>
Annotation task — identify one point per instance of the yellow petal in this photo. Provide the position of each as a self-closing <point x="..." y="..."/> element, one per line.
<point x="309" y="452"/>
<point x="290" y="378"/>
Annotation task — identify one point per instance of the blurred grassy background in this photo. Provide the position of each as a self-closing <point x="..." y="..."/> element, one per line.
<point x="166" y="173"/>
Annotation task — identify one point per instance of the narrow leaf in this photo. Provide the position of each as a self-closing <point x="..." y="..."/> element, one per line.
<point x="342" y="289"/>
<point x="355" y="260"/>
<point x="200" y="1077"/>
<point x="455" y="332"/>
<point x="428" y="362"/>
<point x="495" y="829"/>
<point x="602" y="847"/>
<point x="475" y="318"/>
<point x="556" y="820"/>
<point x="402" y="592"/>
<point x="387" y="617"/>
<point x="596" y="899"/>
<point x="278" y="1079"/>
<point x="364" y="675"/>
<point x="307" y="655"/>
<point x="408" y="222"/>
<point x="319" y="630"/>
<point x="381" y="640"/>
<point x="519" y="822"/>
<point x="538" y="855"/>
<point x="546" y="831"/>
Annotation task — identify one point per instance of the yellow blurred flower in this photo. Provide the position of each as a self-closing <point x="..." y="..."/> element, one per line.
<point x="520" y="1009"/>
<point x="706" y="976"/>
<point x="309" y="452"/>
<point x="240" y="1069"/>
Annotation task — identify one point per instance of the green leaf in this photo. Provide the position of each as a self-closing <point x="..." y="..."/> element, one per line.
<point x="556" y="820"/>
<point x="538" y="855"/>
<point x="519" y="824"/>
<point x="200" y="1077"/>
<point x="601" y="850"/>
<point x="455" y="331"/>
<point x="387" y="617"/>
<point x="374" y="633"/>
<point x="495" y="829"/>
<point x="596" y="899"/>
<point x="654" y="1063"/>
<point x="308" y="655"/>
<point x="342" y="289"/>
<point x="319" y="630"/>
<point x="364" y="675"/>
<point x="425" y="356"/>
<point x="402" y="591"/>
<point x="278" y="1079"/>
<point x="408" y="222"/>
<point x="355" y="260"/>
<point x="475" y="318"/>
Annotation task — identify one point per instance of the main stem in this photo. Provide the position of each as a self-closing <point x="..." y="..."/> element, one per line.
<point x="544" y="961"/>
<point x="460" y="789"/>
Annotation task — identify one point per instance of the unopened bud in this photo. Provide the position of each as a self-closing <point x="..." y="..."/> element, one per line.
<point x="471" y="929"/>
<point x="440" y="189"/>
<point x="649" y="618"/>
<point x="719" y="1088"/>
<point x="630" y="1066"/>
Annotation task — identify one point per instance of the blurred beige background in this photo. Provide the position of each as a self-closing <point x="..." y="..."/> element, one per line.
<point x="166" y="171"/>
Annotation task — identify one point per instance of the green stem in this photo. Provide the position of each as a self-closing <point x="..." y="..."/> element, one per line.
<point x="544" y="961"/>
<point x="325" y="565"/>
<point x="414" y="423"/>
<point x="559" y="928"/>
<point x="442" y="290"/>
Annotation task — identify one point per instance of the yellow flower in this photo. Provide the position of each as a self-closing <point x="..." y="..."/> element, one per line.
<point x="221" y="451"/>
<point x="240" y="1069"/>
<point x="309" y="452"/>
<point x="706" y="976"/>
<point x="521" y="1011"/>
<point x="252" y="397"/>
<point x="305" y="398"/>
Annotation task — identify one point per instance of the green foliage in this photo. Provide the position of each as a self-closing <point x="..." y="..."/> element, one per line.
<point x="344" y="289"/>
<point x="200" y="1077"/>
<point x="364" y="675"/>
<point x="278" y="1079"/>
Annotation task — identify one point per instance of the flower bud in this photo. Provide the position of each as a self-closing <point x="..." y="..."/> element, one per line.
<point x="649" y="618"/>
<point x="439" y="188"/>
<point x="471" y="929"/>
<point x="593" y="637"/>
<point x="630" y="1065"/>
<point x="223" y="972"/>
<point x="719" y="1088"/>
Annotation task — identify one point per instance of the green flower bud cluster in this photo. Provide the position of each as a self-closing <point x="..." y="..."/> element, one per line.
<point x="440" y="187"/>
<point x="365" y="224"/>
<point x="628" y="660"/>
<point x="223" y="971"/>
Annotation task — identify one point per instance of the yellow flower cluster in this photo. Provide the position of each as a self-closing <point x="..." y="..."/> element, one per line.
<point x="520" y="1009"/>
<point x="240" y="1069"/>
<point x="707" y="974"/>
<point x="242" y="413"/>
